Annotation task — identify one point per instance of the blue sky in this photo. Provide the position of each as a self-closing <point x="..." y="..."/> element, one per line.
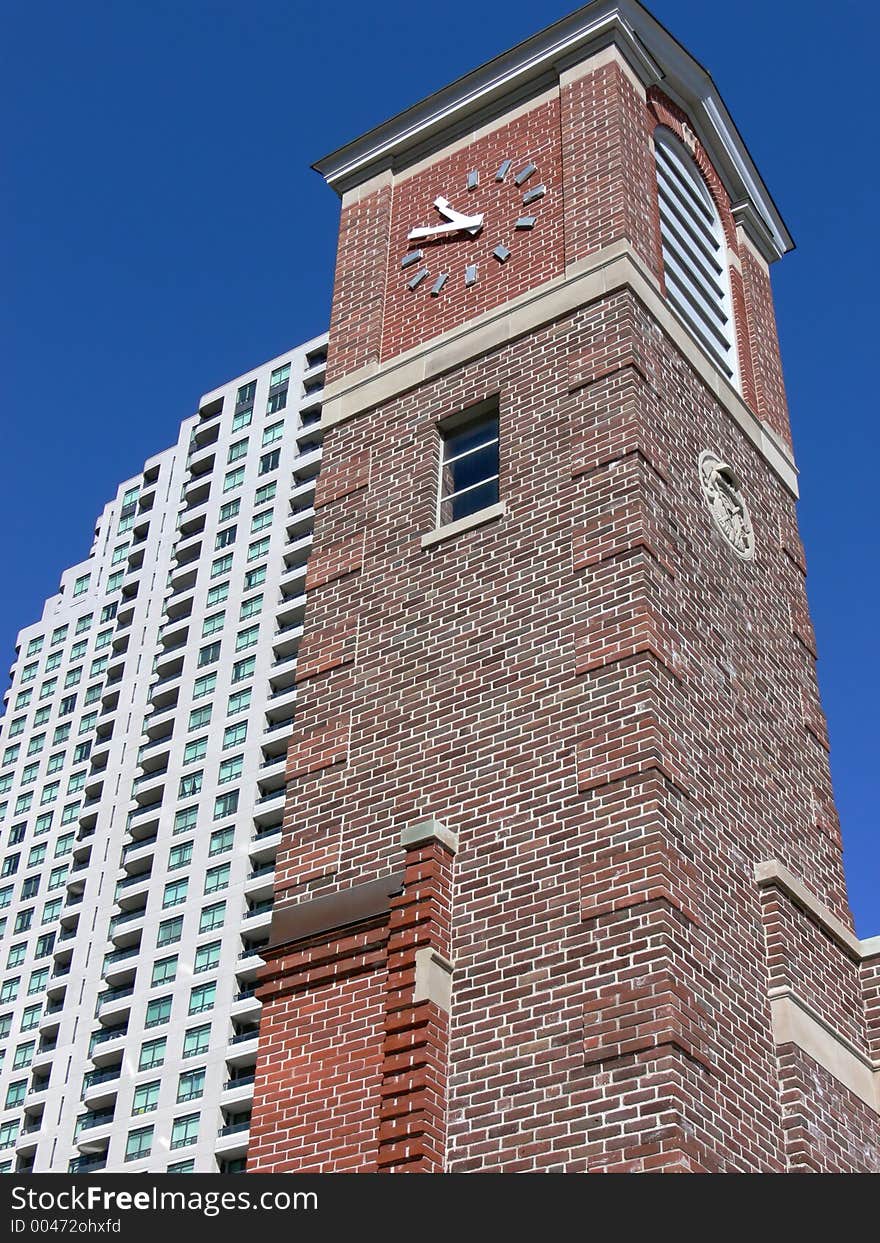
<point x="161" y="231"/>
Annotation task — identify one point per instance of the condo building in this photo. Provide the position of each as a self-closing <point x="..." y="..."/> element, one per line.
<point x="142" y="782"/>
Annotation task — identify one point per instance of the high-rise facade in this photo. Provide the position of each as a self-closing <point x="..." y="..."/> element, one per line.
<point x="560" y="884"/>
<point x="142" y="757"/>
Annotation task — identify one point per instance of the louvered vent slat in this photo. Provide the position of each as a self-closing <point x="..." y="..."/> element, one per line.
<point x="693" y="251"/>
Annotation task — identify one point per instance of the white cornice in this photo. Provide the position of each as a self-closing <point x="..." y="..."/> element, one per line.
<point x="653" y="54"/>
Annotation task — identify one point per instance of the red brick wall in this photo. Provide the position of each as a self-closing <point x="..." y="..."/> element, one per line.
<point x="412" y="316"/>
<point x="609" y="167"/>
<point x="617" y="716"/>
<point x="319" y="1073"/>
<point x="816" y="1104"/>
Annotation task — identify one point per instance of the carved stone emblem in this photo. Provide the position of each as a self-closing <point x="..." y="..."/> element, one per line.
<point x="721" y="489"/>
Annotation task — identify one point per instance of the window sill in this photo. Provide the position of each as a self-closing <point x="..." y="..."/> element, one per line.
<point x="451" y="529"/>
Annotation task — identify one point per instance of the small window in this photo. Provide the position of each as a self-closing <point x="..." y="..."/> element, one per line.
<point x="180" y="856"/>
<point x="195" y="750"/>
<point x="196" y="1040"/>
<point x="207" y="958"/>
<point x="190" y="785"/>
<point x="205" y="685"/>
<point x="470" y="464"/>
<point x="246" y="393"/>
<point x="280" y="375"/>
<point x="170" y="930"/>
<point x="200" y="717"/>
<point x="234" y="735"/>
<point x="269" y="462"/>
<point x="139" y="1144"/>
<point x="217" y="594"/>
<point x="212" y="917"/>
<point x="246" y="638"/>
<point x="190" y="1085"/>
<point x="226" y="805"/>
<point x="220" y="841"/>
<point x="164" y="971"/>
<point x="258" y="548"/>
<point x="185" y="1131"/>
<point x="175" y="893"/>
<point x="217" y="878"/>
<point x="213" y="623"/>
<point x="201" y="997"/>
<point x="146" y="1098"/>
<point x="152" y="1054"/>
<point x="185" y="818"/>
<point x="250" y="608"/>
<point x="158" y="1012"/>
<point x="243" y="669"/>
<point x="16" y="1093"/>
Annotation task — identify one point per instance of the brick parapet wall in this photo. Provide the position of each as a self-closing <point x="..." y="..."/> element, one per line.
<point x="353" y="1066"/>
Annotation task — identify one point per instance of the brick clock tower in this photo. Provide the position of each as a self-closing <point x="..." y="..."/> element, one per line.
<point x="561" y="887"/>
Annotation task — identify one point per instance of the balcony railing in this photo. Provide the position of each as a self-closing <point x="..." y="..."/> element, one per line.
<point x="110" y="1033"/>
<point x="113" y="994"/>
<point x="240" y="1081"/>
<point x="119" y="955"/>
<point x="94" y="1077"/>
<point x="232" y="1128"/>
<point x="86" y="1122"/>
<point x="241" y="1037"/>
<point x="88" y="1165"/>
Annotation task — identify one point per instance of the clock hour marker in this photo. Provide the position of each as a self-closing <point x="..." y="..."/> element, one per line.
<point x="416" y="280"/>
<point x="501" y="253"/>
<point x="413" y="257"/>
<point x="525" y="173"/>
<point x="531" y="195"/>
<point x="439" y="283"/>
<point x="473" y="180"/>
<point x="470" y="274"/>
<point x="526" y="222"/>
<point x="503" y="170"/>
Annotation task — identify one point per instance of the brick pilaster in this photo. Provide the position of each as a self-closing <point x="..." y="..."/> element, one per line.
<point x="412" y="1131"/>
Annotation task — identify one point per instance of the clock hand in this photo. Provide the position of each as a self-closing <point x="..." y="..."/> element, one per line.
<point x="471" y="223"/>
<point x="444" y="208"/>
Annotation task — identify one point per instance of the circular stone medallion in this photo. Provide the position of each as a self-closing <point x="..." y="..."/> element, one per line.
<point x="721" y="490"/>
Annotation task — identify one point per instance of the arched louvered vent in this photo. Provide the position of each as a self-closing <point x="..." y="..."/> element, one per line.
<point x="697" y="283"/>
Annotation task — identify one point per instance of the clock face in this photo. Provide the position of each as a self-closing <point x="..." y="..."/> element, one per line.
<point x="449" y="249"/>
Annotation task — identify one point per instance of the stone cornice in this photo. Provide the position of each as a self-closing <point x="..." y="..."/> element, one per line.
<point x="774" y="874"/>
